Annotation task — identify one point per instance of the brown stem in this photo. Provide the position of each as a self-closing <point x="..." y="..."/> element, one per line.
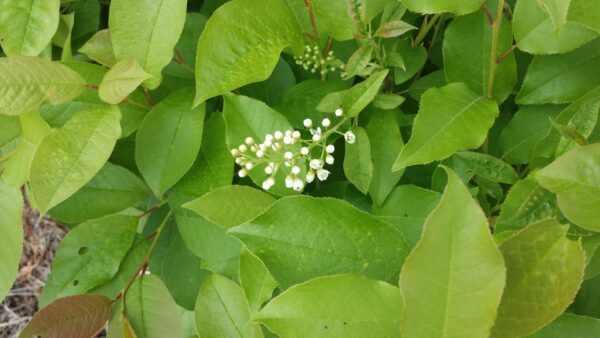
<point x="487" y="13"/>
<point x="506" y="54"/>
<point x="311" y="14"/>
<point x="91" y="86"/>
<point x="148" y="97"/>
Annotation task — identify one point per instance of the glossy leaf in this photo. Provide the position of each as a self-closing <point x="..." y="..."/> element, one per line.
<point x="231" y="205"/>
<point x="358" y="97"/>
<point x="230" y="56"/>
<point x="335" y="306"/>
<point x="172" y="132"/>
<point x="256" y="280"/>
<point x="75" y="316"/>
<point x="300" y="238"/>
<point x="27" y="26"/>
<point x="450" y="118"/>
<point x="544" y="271"/>
<point x="459" y="7"/>
<point x="151" y="311"/>
<point x="575" y="179"/>
<point x="438" y="280"/>
<point x="28" y="82"/>
<point x="569" y="325"/>
<point x="121" y="80"/>
<point x="358" y="166"/>
<point x="146" y="31"/>
<point x="89" y="256"/>
<point x="488" y="167"/>
<point x="222" y="310"/>
<point x="557" y="10"/>
<point x="11" y="205"/>
<point x="71" y="156"/>
<point x="586" y="12"/>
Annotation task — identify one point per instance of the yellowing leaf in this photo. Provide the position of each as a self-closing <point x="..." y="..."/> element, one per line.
<point x="11" y="246"/>
<point x="121" y="80"/>
<point x="27" y="26"/>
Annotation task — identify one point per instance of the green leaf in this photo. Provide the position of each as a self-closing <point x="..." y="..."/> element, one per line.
<point x="121" y="80"/>
<point x="27" y="26"/>
<point x="232" y="55"/>
<point x="386" y="143"/>
<point x="146" y="31"/>
<point x="557" y="10"/>
<point x="562" y="78"/>
<point x="406" y="208"/>
<point x="256" y="280"/>
<point x="71" y="156"/>
<point x="301" y="237"/>
<point x="535" y="30"/>
<point x="28" y="82"/>
<point x="581" y="125"/>
<point x="335" y="306"/>
<point x="467" y="55"/>
<point x="231" y="205"/>
<point x="569" y="325"/>
<point x="488" y="167"/>
<point x="414" y="58"/>
<point x="544" y="271"/>
<point x="113" y="189"/>
<point x="439" y="279"/>
<point x="11" y="206"/>
<point x="358" y="97"/>
<point x="99" y="48"/>
<point x="388" y="101"/>
<point x="168" y="140"/>
<point x="458" y="7"/>
<point x="450" y="118"/>
<point x="359" y="61"/>
<point x="187" y="46"/>
<point x="151" y="311"/>
<point x="75" y="316"/>
<point x="392" y="29"/>
<point x="526" y="203"/>
<point x="585" y="12"/>
<point x="358" y="166"/>
<point x="62" y="38"/>
<point x="222" y="310"/>
<point x="89" y="256"/>
<point x="272" y="90"/>
<point x="575" y="179"/>
<point x="247" y="117"/>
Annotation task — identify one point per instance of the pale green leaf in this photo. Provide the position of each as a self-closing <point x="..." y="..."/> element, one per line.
<point x="359" y="61"/>
<point x="27" y="26"/>
<point x="335" y="306"/>
<point x="387" y="101"/>
<point x="575" y="179"/>
<point x="151" y="311"/>
<point x="386" y="144"/>
<point x="11" y="206"/>
<point x="450" y="118"/>
<point x="301" y="237"/>
<point x="113" y="189"/>
<point x="582" y="124"/>
<point x="586" y="12"/>
<point x="569" y="325"/>
<point x="358" y="97"/>
<point x="222" y="310"/>
<point x="146" y="30"/>
<point x="557" y="10"/>
<point x="62" y="38"/>
<point x="29" y="82"/>
<point x="256" y="280"/>
<point x="241" y="45"/>
<point x="358" y="166"/>
<point x="99" y="48"/>
<point x="459" y="7"/>
<point x="535" y="31"/>
<point x="231" y="205"/>
<point x="467" y="55"/>
<point x="71" y="156"/>
<point x="488" y="167"/>
<point x="121" y="80"/>
<point x="455" y="266"/>
<point x="413" y="60"/>
<point x="544" y="271"/>
<point x="562" y="78"/>
<point x="89" y="256"/>
<point x="168" y="140"/>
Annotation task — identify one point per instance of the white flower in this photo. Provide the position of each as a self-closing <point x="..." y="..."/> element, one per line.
<point x="330" y="149"/>
<point x="350" y="137"/>
<point x="339" y="112"/>
<point x="288" y="133"/>
<point x="243" y="148"/>
<point x="326" y="123"/>
<point x="249" y="166"/>
<point x="329" y="159"/>
<point x="298" y="184"/>
<point x="269" y="137"/>
<point x="304" y="151"/>
<point x="316" y="137"/>
<point x="249" y="141"/>
<point x="296" y="134"/>
<point x="308" y="123"/>
<point x="268" y="183"/>
<point x="242" y="173"/>
<point x="315" y="164"/>
<point x="322" y="174"/>
<point x="239" y="160"/>
<point x="235" y="152"/>
<point x="295" y="170"/>
<point x="268" y="142"/>
<point x="287" y="140"/>
<point x="278" y="135"/>
<point x="260" y="153"/>
<point x="310" y="176"/>
<point x="253" y="148"/>
<point x="268" y="170"/>
<point x="289" y="182"/>
<point x="288" y="155"/>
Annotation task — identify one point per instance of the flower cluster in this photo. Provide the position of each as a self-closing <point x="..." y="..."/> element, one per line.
<point x="301" y="160"/>
<point x="313" y="60"/>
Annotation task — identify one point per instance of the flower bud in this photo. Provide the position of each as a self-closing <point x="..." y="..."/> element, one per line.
<point x="339" y="112"/>
<point x="288" y="155"/>
<point x="242" y="173"/>
<point x="329" y="159"/>
<point x="308" y="123"/>
<point x="322" y="174"/>
<point x="243" y="148"/>
<point x="249" y="166"/>
<point x="298" y="184"/>
<point x="304" y="151"/>
<point x="278" y="135"/>
<point x="295" y="170"/>
<point x="310" y="176"/>
<point x="326" y="122"/>
<point x="330" y="148"/>
<point x="315" y="164"/>
<point x="289" y="182"/>
<point x="249" y="141"/>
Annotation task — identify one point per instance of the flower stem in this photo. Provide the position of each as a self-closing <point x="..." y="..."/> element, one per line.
<point x="425" y="30"/>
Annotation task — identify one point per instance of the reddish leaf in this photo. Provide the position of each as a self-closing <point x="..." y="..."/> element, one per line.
<point x="79" y="316"/>
<point x="393" y="29"/>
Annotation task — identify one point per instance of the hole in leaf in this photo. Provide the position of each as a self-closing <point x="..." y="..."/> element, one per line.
<point x="83" y="250"/>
